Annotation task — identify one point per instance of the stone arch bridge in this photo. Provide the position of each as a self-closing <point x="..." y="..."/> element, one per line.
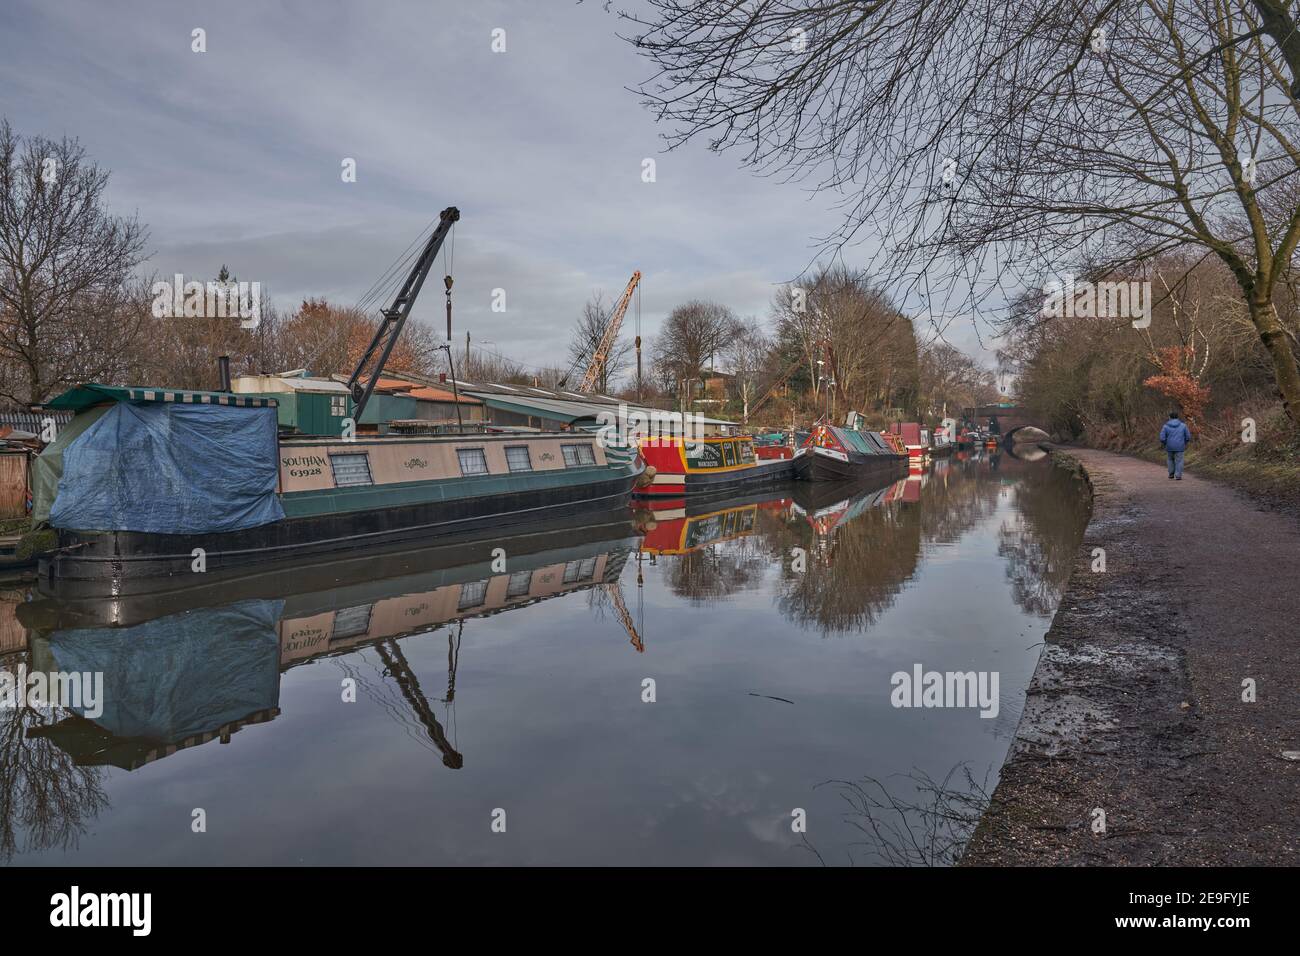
<point x="1010" y="418"/>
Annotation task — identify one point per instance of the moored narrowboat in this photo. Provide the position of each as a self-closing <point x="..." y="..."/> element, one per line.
<point x="707" y="465"/>
<point x="773" y="445"/>
<point x="149" y="487"/>
<point x="831" y="453"/>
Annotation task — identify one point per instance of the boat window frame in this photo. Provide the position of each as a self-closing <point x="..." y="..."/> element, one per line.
<point x="471" y="589"/>
<point x="728" y="454"/>
<point x="364" y="456"/>
<point x="577" y="449"/>
<point x="528" y="459"/>
<point x="482" y="454"/>
<point x="349" y="616"/>
<point x="512" y="590"/>
<point x="579" y="571"/>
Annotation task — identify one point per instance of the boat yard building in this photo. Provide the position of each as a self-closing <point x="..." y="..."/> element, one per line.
<point x="407" y="402"/>
<point x="553" y="409"/>
<point x="319" y="406"/>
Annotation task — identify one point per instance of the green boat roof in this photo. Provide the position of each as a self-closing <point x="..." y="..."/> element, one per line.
<point x="92" y="393"/>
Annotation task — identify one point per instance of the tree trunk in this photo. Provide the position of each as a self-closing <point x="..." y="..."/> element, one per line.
<point x="1285" y="372"/>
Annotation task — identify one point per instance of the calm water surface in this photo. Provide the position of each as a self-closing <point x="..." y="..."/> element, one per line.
<point x="770" y="627"/>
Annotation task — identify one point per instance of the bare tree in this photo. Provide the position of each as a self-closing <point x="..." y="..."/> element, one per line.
<point x="587" y="336"/>
<point x="850" y="333"/>
<point x="951" y="380"/>
<point x="328" y="339"/>
<point x="693" y="336"/>
<point x="747" y="355"/>
<point x="68" y="309"/>
<point x="46" y="799"/>
<point x="989" y="146"/>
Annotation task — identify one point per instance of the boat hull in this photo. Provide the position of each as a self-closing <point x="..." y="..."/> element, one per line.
<point x="816" y="465"/>
<point x="764" y="472"/>
<point x="113" y="563"/>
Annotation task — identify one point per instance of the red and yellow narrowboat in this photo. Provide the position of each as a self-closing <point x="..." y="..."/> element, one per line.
<point x="725" y="463"/>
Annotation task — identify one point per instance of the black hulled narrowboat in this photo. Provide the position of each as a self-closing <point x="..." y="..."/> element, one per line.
<point x="831" y="453"/>
<point x="148" y="488"/>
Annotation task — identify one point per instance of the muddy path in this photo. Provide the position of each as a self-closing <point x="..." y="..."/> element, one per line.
<point x="1136" y="708"/>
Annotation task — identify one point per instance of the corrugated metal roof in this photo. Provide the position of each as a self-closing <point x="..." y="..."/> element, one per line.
<point x="33" y="422"/>
<point x="282" y="383"/>
<point x="543" y="407"/>
<point x="427" y="393"/>
<point x="498" y="388"/>
<point x="573" y="404"/>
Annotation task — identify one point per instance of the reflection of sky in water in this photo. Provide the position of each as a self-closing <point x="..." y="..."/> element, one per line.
<point x="549" y="719"/>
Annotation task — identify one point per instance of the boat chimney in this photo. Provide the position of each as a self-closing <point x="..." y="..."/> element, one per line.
<point x="223" y="365"/>
<point x="442" y="378"/>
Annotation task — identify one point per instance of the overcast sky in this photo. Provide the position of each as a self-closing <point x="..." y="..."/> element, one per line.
<point x="234" y="155"/>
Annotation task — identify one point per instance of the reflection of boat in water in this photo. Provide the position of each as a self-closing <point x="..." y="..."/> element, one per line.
<point x="687" y="525"/>
<point x="829" y="505"/>
<point x="396" y="570"/>
<point x="683" y="525"/>
<point x="177" y="676"/>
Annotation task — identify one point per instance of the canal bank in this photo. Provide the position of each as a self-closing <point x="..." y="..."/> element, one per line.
<point x="1136" y="746"/>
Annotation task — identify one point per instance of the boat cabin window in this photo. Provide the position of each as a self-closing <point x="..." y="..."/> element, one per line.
<point x="581" y="570"/>
<point x="575" y="455"/>
<point x="351" y="470"/>
<point x="519" y="584"/>
<point x="517" y="458"/>
<point x="351" y="622"/>
<point x="472" y="461"/>
<point x="472" y="594"/>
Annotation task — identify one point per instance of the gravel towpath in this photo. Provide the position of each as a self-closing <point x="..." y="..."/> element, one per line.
<point x="1136" y="708"/>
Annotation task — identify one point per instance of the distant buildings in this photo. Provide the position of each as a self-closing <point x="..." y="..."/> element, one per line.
<point x="415" y="404"/>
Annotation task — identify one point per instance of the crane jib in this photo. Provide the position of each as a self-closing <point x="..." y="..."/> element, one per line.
<point x="371" y="365"/>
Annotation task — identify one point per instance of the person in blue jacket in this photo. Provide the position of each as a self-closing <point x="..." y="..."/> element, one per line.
<point x="1173" y="439"/>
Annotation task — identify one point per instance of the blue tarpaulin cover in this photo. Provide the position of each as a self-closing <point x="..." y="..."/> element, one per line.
<point x="179" y="675"/>
<point x="172" y="469"/>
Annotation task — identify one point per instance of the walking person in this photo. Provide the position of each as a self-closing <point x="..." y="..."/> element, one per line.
<point x="1173" y="439"/>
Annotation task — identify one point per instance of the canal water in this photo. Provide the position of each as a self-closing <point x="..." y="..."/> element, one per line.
<point x="701" y="685"/>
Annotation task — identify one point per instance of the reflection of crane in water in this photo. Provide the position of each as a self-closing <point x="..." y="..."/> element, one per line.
<point x="399" y="669"/>
<point x="396" y="667"/>
<point x="615" y="592"/>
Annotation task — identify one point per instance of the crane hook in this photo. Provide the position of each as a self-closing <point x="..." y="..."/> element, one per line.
<point x="446" y="280"/>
